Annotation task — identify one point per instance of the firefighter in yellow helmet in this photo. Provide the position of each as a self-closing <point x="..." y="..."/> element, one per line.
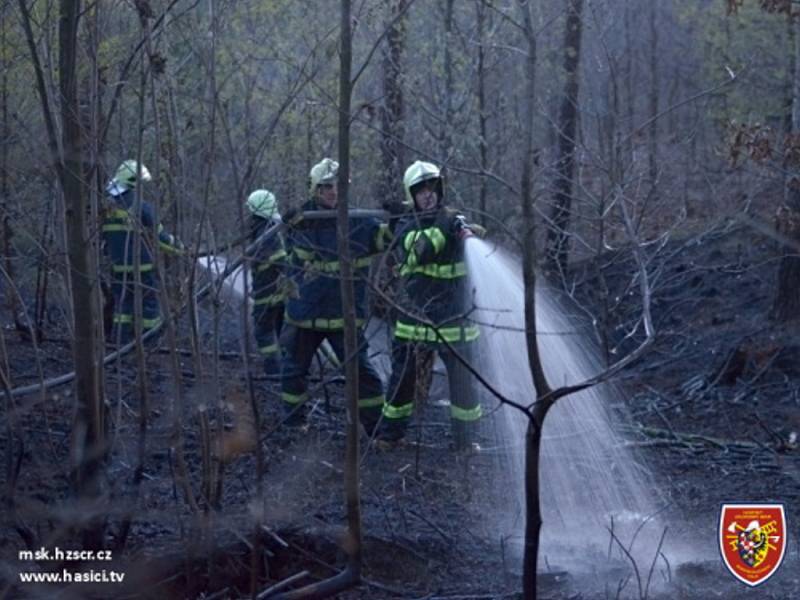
<point x="431" y="244"/>
<point x="126" y="217"/>
<point x="267" y="266"/>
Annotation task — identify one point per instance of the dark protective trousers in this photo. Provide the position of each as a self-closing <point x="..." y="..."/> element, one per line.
<point x="267" y="322"/>
<point x="299" y="346"/>
<point x="412" y="364"/>
<point x="122" y="287"/>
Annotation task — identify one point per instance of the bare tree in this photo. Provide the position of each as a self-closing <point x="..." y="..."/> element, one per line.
<point x="88" y="432"/>
<point x="533" y="518"/>
<point x="558" y="236"/>
<point x="652" y="96"/>
<point x="787" y="299"/>
<point x="481" y="18"/>
<point x="393" y="107"/>
<point x="351" y="575"/>
<point x="446" y="128"/>
<point x="5" y="217"/>
<point x="546" y="395"/>
<point x="786" y="303"/>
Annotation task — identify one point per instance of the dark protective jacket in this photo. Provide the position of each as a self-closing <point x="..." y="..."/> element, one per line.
<point x="268" y="263"/>
<point x="435" y="275"/>
<point x="314" y="269"/>
<point x="120" y="231"/>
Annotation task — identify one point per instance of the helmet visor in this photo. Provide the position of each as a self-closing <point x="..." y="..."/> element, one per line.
<point x="432" y="185"/>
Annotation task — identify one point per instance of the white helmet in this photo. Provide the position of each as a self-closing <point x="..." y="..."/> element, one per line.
<point x="420" y="172"/>
<point x="128" y="174"/>
<point x="324" y="172"/>
<point x="262" y="203"/>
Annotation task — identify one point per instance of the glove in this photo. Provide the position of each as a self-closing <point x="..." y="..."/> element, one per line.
<point x="171" y="244"/>
<point x="293" y="216"/>
<point x="464" y="233"/>
<point x="459" y="225"/>
<point x="289" y="288"/>
<point x="478" y="230"/>
<point x="463" y="230"/>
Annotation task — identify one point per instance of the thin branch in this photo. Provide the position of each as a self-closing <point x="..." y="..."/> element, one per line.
<point x="637" y="130"/>
<point x="377" y="43"/>
<point x="653" y="564"/>
<point x="129" y="63"/>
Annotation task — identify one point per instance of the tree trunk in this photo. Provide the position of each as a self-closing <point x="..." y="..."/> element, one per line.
<point x="533" y="519"/>
<point x="353" y="540"/>
<point x="88" y="429"/>
<point x="446" y="137"/>
<point x="483" y="145"/>
<point x="533" y="510"/>
<point x="352" y="499"/>
<point x="629" y="71"/>
<point x="558" y="236"/>
<point x="653" y="97"/>
<point x="5" y="215"/>
<point x="788" y="101"/>
<point x="787" y="300"/>
<point x="393" y="111"/>
<point x="91" y="123"/>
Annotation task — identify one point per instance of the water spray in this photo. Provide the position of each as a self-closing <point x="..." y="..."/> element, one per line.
<point x="588" y="481"/>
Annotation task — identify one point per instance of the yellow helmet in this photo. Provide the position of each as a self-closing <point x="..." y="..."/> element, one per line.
<point x="324" y="172"/>
<point x="419" y="172"/>
<point x="262" y="203"/>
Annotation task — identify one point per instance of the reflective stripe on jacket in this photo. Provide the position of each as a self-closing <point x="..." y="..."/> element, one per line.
<point x="314" y="268"/>
<point x="435" y="277"/>
<point x="267" y="266"/>
<point x="120" y="230"/>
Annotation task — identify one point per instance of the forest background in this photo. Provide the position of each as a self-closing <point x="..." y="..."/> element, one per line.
<point x="687" y="113"/>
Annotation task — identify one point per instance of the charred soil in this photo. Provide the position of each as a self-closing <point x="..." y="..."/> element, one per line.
<point x="713" y="410"/>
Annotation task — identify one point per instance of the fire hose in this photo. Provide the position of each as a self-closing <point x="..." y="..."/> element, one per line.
<point x="270" y="232"/>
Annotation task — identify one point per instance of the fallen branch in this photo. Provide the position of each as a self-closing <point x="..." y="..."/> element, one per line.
<point x="274" y="536"/>
<point x="688" y="438"/>
<point x="323" y="589"/>
<point x="283" y="584"/>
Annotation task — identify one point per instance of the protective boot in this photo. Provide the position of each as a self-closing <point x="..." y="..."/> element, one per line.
<point x="293" y="415"/>
<point x="391" y="432"/>
<point x="464" y="435"/>
<point x="272" y="368"/>
<point x="370" y="424"/>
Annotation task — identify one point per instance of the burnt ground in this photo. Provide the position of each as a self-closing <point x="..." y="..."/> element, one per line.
<point x="714" y="411"/>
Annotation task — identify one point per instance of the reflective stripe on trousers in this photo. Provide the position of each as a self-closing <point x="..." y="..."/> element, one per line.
<point x="424" y="333"/>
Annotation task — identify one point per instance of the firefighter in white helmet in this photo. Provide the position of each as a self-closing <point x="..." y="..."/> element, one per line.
<point x="434" y="318"/>
<point x="128" y="216"/>
<point x="314" y="313"/>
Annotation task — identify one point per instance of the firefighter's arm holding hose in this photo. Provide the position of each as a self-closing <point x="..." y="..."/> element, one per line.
<point x="464" y="230"/>
<point x="166" y="241"/>
<point x="423" y="245"/>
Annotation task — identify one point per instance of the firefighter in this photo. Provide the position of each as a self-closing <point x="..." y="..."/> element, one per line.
<point x="129" y="221"/>
<point x="431" y="264"/>
<point x="314" y="313"/>
<point x="268" y="290"/>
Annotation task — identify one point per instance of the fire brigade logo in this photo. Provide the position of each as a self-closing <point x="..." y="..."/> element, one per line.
<point x="752" y="540"/>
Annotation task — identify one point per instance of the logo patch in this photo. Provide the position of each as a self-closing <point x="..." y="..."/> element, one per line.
<point x="752" y="540"/>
